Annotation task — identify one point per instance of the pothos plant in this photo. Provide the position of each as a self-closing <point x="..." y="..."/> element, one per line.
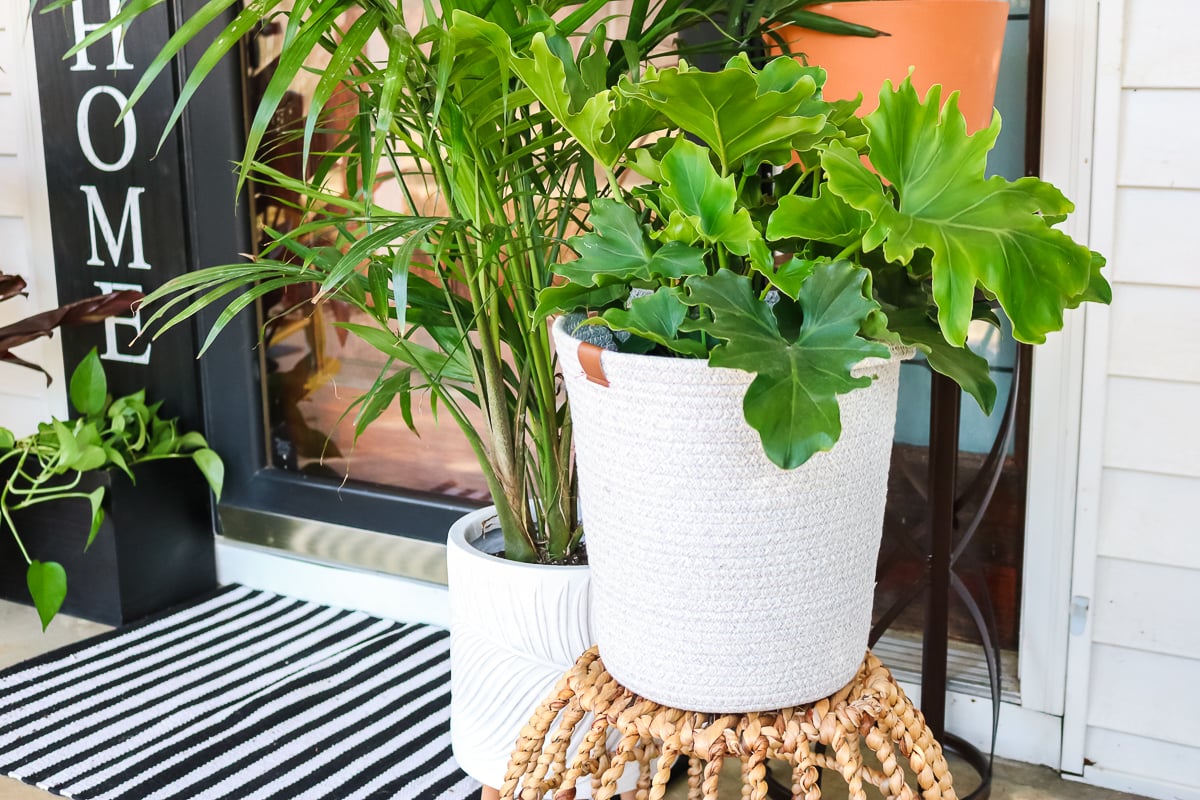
<point x="47" y="466"/>
<point x="772" y="231"/>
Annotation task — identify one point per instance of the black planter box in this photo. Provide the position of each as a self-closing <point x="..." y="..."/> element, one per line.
<point x="154" y="550"/>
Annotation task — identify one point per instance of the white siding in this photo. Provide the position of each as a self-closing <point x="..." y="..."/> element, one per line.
<point x="1158" y="138"/>
<point x="1140" y="253"/>
<point x="1159" y="333"/>
<point x="25" y="225"/>
<point x="1138" y="540"/>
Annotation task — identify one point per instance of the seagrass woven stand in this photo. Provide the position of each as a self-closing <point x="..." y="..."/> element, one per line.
<point x="871" y="709"/>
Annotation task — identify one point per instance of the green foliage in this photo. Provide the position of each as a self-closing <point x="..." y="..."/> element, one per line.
<point x="488" y="119"/>
<point x="797" y="278"/>
<point x="47" y="465"/>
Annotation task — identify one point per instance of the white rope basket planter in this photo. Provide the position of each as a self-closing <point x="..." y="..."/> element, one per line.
<point x="720" y="582"/>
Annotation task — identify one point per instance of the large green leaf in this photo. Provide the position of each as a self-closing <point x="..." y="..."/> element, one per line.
<point x="701" y="203"/>
<point x="981" y="232"/>
<point x="737" y="111"/>
<point x="792" y="401"/>
<point x="617" y="251"/>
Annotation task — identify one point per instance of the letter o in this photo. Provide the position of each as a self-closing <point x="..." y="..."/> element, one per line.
<point x="128" y="126"/>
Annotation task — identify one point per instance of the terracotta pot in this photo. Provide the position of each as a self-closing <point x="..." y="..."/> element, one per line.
<point x="956" y="43"/>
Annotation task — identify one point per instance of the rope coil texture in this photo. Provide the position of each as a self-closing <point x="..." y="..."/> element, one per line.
<point x="871" y="709"/>
<point x="702" y="550"/>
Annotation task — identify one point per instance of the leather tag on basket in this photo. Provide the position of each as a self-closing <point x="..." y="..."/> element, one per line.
<point x="589" y="359"/>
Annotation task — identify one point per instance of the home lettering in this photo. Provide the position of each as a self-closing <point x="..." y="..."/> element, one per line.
<point x="110" y="242"/>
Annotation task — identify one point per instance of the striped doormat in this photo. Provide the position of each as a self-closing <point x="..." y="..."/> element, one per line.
<point x="244" y="695"/>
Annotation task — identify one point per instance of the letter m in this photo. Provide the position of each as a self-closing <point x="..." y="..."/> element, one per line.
<point x="131" y="223"/>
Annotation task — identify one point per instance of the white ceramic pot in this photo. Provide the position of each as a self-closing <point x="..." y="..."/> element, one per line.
<point x="720" y="582"/>
<point x="514" y="630"/>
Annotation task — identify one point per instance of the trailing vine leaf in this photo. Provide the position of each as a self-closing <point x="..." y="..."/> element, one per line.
<point x="702" y="203"/>
<point x="212" y="467"/>
<point x="618" y="251"/>
<point x="981" y="232"/>
<point x="657" y="317"/>
<point x="47" y="583"/>
<point x="792" y="401"/>
<point x="95" y="498"/>
<point x="88" y="385"/>
<point x="736" y="112"/>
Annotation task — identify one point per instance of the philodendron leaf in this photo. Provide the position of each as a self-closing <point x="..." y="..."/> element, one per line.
<point x="47" y="582"/>
<point x="791" y="275"/>
<point x="913" y="327"/>
<point x="704" y="200"/>
<point x="7" y="439"/>
<point x="825" y="218"/>
<point x="571" y="296"/>
<point x="737" y="111"/>
<point x="95" y="499"/>
<point x="597" y="125"/>
<point x="981" y="232"/>
<point x="792" y="401"/>
<point x="657" y="317"/>
<point x="1098" y="290"/>
<point x="618" y="251"/>
<point x="89" y="387"/>
<point x="213" y="468"/>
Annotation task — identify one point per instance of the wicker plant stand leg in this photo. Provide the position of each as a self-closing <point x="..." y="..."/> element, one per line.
<point x="871" y="710"/>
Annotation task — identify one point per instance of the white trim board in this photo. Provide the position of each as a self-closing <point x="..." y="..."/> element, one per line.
<point x="1105" y="65"/>
<point x="1056" y="389"/>
<point x="1134" y="784"/>
<point x="387" y="596"/>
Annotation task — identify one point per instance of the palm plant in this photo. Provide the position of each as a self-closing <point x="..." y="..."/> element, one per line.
<point x="491" y="186"/>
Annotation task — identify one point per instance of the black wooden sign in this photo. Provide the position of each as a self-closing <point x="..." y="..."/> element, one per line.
<point x="117" y="202"/>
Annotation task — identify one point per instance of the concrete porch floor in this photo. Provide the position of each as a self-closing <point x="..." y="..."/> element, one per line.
<point x="21" y="638"/>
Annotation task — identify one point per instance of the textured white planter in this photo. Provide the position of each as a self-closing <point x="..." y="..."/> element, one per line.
<point x="514" y="630"/>
<point x="720" y="582"/>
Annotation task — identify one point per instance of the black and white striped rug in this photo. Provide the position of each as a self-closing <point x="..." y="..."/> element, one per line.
<point x="245" y="695"/>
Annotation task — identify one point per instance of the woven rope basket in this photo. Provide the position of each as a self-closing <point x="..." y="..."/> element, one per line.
<point x="720" y="582"/>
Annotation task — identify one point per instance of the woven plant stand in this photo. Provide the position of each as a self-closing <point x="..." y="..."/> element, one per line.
<point x="871" y="709"/>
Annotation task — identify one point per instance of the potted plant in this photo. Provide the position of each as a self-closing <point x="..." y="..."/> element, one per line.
<point x="733" y="426"/>
<point x="444" y="282"/>
<point x="953" y="43"/>
<point x="57" y="483"/>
